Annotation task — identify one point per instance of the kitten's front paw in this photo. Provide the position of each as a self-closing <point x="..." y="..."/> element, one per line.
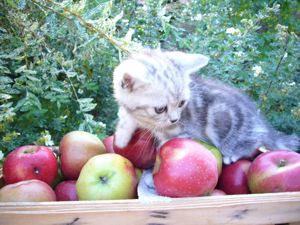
<point x="122" y="138"/>
<point x="121" y="142"/>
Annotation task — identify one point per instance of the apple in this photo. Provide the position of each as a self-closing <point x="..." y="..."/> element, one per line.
<point x="141" y="150"/>
<point x="59" y="178"/>
<point x="27" y="191"/>
<point x="216" y="192"/>
<point x="216" y="153"/>
<point x="107" y="177"/>
<point x="109" y="143"/>
<point x="76" y="148"/>
<point x="233" y="179"/>
<point x="139" y="173"/>
<point x="30" y="162"/>
<point x="275" y="171"/>
<point x="66" y="191"/>
<point x="184" y="168"/>
<point x="2" y="182"/>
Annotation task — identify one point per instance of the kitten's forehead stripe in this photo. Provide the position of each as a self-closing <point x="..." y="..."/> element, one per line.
<point x="162" y="70"/>
<point x="150" y="67"/>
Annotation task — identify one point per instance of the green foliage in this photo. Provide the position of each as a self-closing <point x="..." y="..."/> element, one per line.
<point x="57" y="58"/>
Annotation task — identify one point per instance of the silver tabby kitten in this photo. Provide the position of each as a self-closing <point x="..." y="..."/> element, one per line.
<point x="158" y="91"/>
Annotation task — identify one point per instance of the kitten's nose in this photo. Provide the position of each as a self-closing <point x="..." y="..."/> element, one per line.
<point x="174" y="121"/>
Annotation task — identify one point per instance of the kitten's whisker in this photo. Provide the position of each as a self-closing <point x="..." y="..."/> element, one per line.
<point x="154" y="129"/>
<point x="148" y="134"/>
<point x="180" y="123"/>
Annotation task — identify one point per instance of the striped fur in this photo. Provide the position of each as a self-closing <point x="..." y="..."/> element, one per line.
<point x="151" y="81"/>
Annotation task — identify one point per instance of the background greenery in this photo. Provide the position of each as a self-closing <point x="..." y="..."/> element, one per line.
<point x="57" y="58"/>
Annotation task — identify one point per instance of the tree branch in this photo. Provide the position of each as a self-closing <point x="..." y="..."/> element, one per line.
<point x="278" y="64"/>
<point x="87" y="25"/>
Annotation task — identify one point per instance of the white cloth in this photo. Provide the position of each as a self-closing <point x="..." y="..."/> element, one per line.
<point x="146" y="190"/>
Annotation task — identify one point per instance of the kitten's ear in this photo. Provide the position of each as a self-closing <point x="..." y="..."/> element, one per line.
<point x="127" y="82"/>
<point x="130" y="76"/>
<point x="189" y="62"/>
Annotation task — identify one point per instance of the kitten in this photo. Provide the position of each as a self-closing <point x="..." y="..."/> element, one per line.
<point x="158" y="91"/>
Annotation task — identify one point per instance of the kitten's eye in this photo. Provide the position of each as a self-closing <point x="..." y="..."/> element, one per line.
<point x="160" y="109"/>
<point x="181" y="103"/>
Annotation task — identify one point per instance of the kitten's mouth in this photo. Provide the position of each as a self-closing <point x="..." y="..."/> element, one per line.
<point x="161" y="126"/>
<point x="169" y="125"/>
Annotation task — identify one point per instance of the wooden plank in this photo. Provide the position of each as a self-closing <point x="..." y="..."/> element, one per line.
<point x="231" y="209"/>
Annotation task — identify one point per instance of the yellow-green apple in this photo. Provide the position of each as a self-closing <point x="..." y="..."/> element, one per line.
<point x="216" y="153"/>
<point x="233" y="179"/>
<point x="30" y="162"/>
<point x="27" y="191"/>
<point x="107" y="176"/>
<point x="184" y="168"/>
<point x="275" y="171"/>
<point x="76" y="148"/>
<point x="139" y="173"/>
<point x="66" y="191"/>
<point x="141" y="150"/>
<point x="109" y="143"/>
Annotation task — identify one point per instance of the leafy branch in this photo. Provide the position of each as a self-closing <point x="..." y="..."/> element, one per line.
<point x="68" y="14"/>
<point x="278" y="65"/>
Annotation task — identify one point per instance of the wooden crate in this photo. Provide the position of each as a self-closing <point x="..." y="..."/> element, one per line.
<point x="273" y="208"/>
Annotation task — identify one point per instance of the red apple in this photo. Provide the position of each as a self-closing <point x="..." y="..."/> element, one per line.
<point x="141" y="150"/>
<point x="66" y="191"/>
<point x="216" y="153"/>
<point x="275" y="171"/>
<point x="217" y="192"/>
<point x="184" y="168"/>
<point x="27" y="191"/>
<point x="109" y="143"/>
<point x="233" y="179"/>
<point x="76" y="148"/>
<point x="30" y="162"/>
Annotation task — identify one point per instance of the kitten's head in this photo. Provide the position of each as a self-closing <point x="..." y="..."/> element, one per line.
<point x="154" y="85"/>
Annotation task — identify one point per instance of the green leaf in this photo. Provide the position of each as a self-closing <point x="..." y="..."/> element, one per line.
<point x="6" y="105"/>
<point x="5" y="97"/>
<point x="86" y="104"/>
<point x="22" y="4"/>
<point x="29" y="103"/>
<point x="12" y="3"/>
<point x="3" y="70"/>
<point x="59" y="90"/>
<point x="5" y="80"/>
<point x="31" y="77"/>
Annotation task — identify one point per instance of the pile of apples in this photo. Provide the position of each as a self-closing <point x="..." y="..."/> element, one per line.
<point x="87" y="168"/>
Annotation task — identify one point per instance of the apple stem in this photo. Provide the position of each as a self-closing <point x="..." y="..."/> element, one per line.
<point x="29" y="151"/>
<point x="282" y="163"/>
<point x="103" y="180"/>
<point x="36" y="170"/>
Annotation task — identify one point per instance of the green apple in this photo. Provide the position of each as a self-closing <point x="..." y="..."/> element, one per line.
<point x="139" y="173"/>
<point x="216" y="153"/>
<point x="107" y="177"/>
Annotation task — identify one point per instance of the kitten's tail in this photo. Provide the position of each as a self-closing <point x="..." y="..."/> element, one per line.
<point x="279" y="141"/>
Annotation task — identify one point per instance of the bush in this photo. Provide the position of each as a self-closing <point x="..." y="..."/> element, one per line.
<point x="57" y="58"/>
